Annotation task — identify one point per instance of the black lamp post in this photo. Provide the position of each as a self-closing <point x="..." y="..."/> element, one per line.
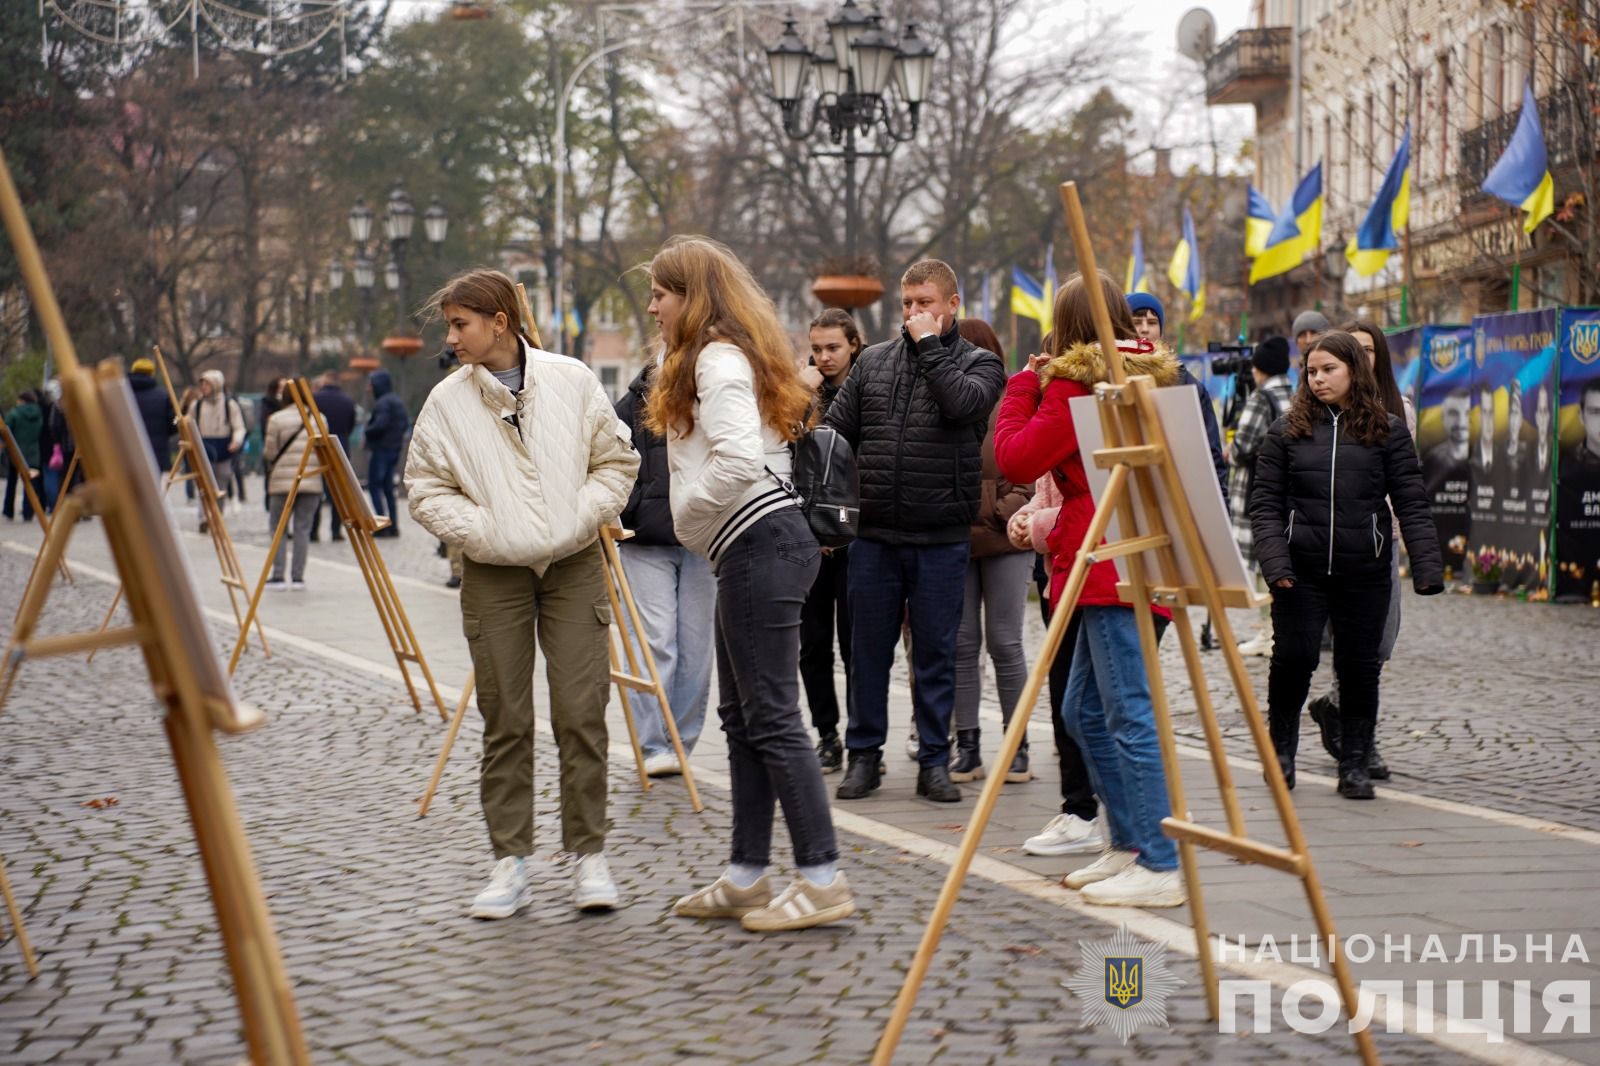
<point x="399" y="220"/>
<point x="853" y="73"/>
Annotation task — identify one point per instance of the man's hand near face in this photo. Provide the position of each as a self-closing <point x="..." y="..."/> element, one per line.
<point x="922" y="324"/>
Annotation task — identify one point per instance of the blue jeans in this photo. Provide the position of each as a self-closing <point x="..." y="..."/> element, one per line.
<point x="889" y="584"/>
<point x="380" y="483"/>
<point x="1107" y="711"/>
<point x="677" y="598"/>
<point x="762" y="581"/>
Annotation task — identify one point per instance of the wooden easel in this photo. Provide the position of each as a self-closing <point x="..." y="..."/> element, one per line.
<point x="191" y="454"/>
<point x="15" y="912"/>
<point x="26" y="474"/>
<point x="169" y="629"/>
<point x="1137" y="454"/>
<point x="360" y="524"/>
<point x="615" y="579"/>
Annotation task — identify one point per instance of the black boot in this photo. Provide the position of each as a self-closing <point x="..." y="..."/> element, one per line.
<point x="863" y="776"/>
<point x="1325" y="713"/>
<point x="968" y="763"/>
<point x="830" y="753"/>
<point x="1377" y="769"/>
<point x="934" y="782"/>
<point x="1354" y="782"/>
<point x="1019" y="773"/>
<point x="1285" y="732"/>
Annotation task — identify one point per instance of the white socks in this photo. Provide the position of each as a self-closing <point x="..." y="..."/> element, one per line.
<point x="821" y="875"/>
<point x="743" y="875"/>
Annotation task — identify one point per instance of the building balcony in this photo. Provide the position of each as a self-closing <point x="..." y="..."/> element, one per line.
<point x="1567" y="140"/>
<point x="1249" y="66"/>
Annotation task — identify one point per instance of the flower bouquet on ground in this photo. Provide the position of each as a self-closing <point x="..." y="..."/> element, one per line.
<point x="1487" y="566"/>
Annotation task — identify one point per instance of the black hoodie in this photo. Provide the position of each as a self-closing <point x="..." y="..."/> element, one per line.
<point x="649" y="509"/>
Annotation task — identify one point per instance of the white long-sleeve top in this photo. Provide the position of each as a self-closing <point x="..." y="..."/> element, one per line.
<point x="726" y="470"/>
<point x="525" y="479"/>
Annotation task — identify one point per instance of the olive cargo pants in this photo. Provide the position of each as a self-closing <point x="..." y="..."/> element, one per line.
<point x="502" y="608"/>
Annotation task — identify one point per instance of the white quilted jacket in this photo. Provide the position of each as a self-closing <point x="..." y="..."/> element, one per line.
<point x="525" y="496"/>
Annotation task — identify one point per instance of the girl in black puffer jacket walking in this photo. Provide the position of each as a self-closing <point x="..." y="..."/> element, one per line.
<point x="1323" y="538"/>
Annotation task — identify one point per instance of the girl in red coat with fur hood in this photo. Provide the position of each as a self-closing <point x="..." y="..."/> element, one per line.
<point x="1107" y="707"/>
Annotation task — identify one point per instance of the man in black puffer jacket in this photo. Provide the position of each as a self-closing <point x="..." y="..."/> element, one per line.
<point x="915" y="409"/>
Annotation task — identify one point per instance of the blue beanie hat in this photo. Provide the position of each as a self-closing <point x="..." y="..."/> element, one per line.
<point x="1143" y="301"/>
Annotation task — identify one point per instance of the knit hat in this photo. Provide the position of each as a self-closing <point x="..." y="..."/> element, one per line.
<point x="1271" y="356"/>
<point x="1310" y="321"/>
<point x="1144" y="301"/>
<point x="142" y="366"/>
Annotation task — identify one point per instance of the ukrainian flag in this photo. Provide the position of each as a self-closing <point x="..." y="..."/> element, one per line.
<point x="1296" y="233"/>
<point x="1258" y="224"/>
<point x="1028" y="299"/>
<point x="1522" y="176"/>
<point x="1138" y="279"/>
<point x="1378" y="236"/>
<point x="1184" y="270"/>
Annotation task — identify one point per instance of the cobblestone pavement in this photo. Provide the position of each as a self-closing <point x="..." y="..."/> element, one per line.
<point x="369" y="903"/>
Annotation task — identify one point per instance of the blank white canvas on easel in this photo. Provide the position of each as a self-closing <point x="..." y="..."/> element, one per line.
<point x="1179" y="409"/>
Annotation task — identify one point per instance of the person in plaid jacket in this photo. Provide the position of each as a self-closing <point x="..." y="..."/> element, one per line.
<point x="1270" y="366"/>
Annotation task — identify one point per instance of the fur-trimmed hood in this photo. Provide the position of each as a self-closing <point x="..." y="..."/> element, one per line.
<point x="1085" y="364"/>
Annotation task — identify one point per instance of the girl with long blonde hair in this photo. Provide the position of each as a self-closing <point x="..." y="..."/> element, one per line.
<point x="729" y="400"/>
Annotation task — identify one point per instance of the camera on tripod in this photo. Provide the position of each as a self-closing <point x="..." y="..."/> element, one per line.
<point x="1237" y="361"/>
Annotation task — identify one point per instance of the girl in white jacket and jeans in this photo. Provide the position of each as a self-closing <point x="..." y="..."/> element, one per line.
<point x="729" y="400"/>
<point x="518" y="459"/>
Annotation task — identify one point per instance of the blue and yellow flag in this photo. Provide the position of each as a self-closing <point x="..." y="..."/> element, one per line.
<point x="1259" y="221"/>
<point x="1184" y="270"/>
<point x="1379" y="233"/>
<point x="1028" y="299"/>
<point x="1138" y="279"/>
<point x="1522" y="176"/>
<point x="1296" y="233"/>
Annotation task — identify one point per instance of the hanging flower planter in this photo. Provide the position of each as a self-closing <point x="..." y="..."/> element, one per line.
<point x="847" y="281"/>
<point x="849" y="291"/>
<point x="401" y="346"/>
<point x="363" y="364"/>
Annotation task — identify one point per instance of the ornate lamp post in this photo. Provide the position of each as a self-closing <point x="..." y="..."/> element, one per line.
<point x="399" y="220"/>
<point x="854" y="69"/>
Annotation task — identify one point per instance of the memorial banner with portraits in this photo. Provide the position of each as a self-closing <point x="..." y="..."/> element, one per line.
<point x="1514" y="365"/>
<point x="1443" y="400"/>
<point x="1577" y="519"/>
<point x="1405" y="353"/>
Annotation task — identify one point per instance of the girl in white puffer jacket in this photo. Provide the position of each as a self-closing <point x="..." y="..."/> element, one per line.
<point x="518" y="459"/>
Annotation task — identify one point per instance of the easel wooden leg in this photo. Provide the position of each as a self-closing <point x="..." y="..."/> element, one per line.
<point x="984" y="809"/>
<point x="266" y="1002"/>
<point x="449" y="742"/>
<point x="635" y="624"/>
<point x="105" y="623"/>
<point x="623" y="689"/>
<point x="36" y="592"/>
<point x="15" y="911"/>
<point x="261" y="586"/>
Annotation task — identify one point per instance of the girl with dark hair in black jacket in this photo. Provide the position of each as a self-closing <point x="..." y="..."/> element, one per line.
<point x="1325" y="479"/>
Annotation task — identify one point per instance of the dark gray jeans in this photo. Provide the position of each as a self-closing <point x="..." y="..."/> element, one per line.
<point x="762" y="581"/>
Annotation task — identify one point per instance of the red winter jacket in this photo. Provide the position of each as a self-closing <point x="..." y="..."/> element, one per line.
<point x="1034" y="435"/>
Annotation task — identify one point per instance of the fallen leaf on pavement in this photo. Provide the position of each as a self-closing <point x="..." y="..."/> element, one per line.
<point x="1411" y="843"/>
<point x="1024" y="949"/>
<point x="100" y="804"/>
<point x="951" y="827"/>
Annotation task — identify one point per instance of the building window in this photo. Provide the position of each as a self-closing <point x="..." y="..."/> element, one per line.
<point x="610" y="379"/>
<point x="1444" y="114"/>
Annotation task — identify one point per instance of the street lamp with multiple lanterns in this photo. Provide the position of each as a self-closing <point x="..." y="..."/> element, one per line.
<point x="853" y="71"/>
<point x="399" y="220"/>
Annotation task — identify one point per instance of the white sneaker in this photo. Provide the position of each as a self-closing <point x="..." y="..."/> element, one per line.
<point x="1106" y="866"/>
<point x="297" y="586"/>
<point x="1258" y="645"/>
<point x="277" y="584"/>
<point x="914" y="746"/>
<point x="1138" y="886"/>
<point x="592" y="887"/>
<point x="1066" y="834"/>
<point x="507" y="891"/>
<point x="662" y="764"/>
